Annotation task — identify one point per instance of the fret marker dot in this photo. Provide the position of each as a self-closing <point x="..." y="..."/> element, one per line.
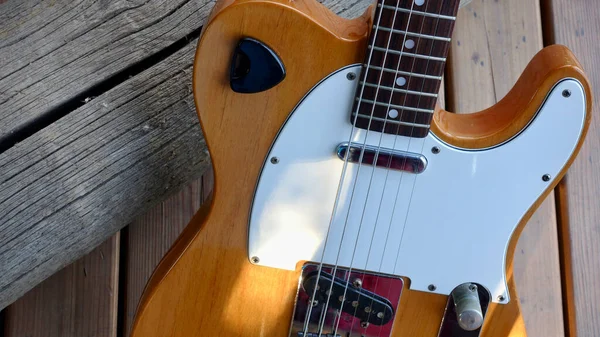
<point x="419" y="2"/>
<point x="400" y="81"/>
<point x="409" y="44"/>
<point x="393" y="113"/>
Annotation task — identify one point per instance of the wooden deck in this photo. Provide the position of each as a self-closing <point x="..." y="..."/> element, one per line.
<point x="101" y="155"/>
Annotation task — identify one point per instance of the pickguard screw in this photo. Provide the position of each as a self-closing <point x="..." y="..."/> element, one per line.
<point x="274" y="160"/>
<point x="255" y="259"/>
<point x="355" y="304"/>
<point x="435" y="150"/>
<point x="473" y="288"/>
<point x="566" y="93"/>
<point x="501" y="298"/>
<point x="380" y="315"/>
<point x="432" y="287"/>
<point x="351" y="76"/>
<point x="367" y="309"/>
<point x="357" y="283"/>
<point x="364" y="324"/>
<point x="546" y="177"/>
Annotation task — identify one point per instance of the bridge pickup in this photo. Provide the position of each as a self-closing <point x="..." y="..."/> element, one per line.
<point x="382" y="157"/>
<point x="358" y="302"/>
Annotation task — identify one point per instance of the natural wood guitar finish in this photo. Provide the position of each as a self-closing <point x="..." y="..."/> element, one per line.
<point x="205" y="286"/>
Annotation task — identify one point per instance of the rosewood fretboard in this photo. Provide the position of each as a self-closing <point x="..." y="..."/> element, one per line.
<point x="405" y="59"/>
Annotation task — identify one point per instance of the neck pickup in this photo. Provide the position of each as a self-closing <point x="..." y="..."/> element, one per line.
<point x="383" y="158"/>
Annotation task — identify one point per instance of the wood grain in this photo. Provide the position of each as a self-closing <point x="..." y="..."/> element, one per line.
<point x="575" y="24"/>
<point x="103" y="180"/>
<point x="493" y="126"/>
<point x="52" y="51"/>
<point x="73" y="184"/>
<point x="80" y="300"/>
<point x="150" y="236"/>
<point x="492" y="44"/>
<point x="217" y="235"/>
<point x="349" y="9"/>
<point x="218" y="108"/>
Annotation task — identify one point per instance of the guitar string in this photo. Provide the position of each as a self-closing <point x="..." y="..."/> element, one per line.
<point x="360" y="162"/>
<point x="385" y="185"/>
<point x="340" y="185"/>
<point x="422" y="148"/>
<point x="402" y="48"/>
<point x="322" y="318"/>
<point x="421" y="151"/>
<point x="376" y="156"/>
<point x="389" y="161"/>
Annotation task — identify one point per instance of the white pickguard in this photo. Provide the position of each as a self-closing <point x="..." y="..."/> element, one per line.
<point x="447" y="226"/>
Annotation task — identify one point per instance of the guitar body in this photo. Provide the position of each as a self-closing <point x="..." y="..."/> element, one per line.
<point x="206" y="284"/>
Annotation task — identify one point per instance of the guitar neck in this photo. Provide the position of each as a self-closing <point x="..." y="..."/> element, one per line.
<point x="403" y="66"/>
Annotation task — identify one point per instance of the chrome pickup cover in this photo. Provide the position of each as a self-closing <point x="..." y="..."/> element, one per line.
<point x="378" y="291"/>
<point x="382" y="157"/>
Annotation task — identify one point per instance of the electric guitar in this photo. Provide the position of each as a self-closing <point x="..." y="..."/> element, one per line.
<point x="346" y="202"/>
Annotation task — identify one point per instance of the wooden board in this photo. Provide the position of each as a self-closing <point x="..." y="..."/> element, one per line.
<point x="52" y="52"/>
<point x="576" y="25"/>
<point x="492" y="44"/>
<point x="72" y="185"/>
<point x="149" y="237"/>
<point x="80" y="300"/>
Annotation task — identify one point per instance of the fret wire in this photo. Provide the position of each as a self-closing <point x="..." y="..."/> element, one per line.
<point x="400" y="72"/>
<point x="431" y="15"/>
<point x="403" y="53"/>
<point x="391" y="121"/>
<point x="421" y="124"/>
<point x="397" y="31"/>
<point x="403" y="91"/>
<point x="368" y="101"/>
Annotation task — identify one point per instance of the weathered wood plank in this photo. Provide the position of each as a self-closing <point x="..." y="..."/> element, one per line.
<point x="80" y="300"/>
<point x="151" y="235"/>
<point x="576" y="25"/>
<point x="73" y="184"/>
<point x="52" y="51"/>
<point x="493" y="43"/>
<point x="63" y="183"/>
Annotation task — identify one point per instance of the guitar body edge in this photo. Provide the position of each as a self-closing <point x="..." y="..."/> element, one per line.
<point x="205" y="285"/>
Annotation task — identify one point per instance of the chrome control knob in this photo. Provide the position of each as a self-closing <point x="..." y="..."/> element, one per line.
<point x="467" y="306"/>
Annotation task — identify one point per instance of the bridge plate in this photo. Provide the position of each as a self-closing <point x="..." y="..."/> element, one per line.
<point x="349" y="323"/>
